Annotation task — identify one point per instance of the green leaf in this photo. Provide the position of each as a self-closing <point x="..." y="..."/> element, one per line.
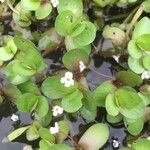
<point x="72" y="102"/>
<point x="114" y="119"/>
<point x="143" y="42"/>
<point x="42" y="106"/>
<point x="23" y="18"/>
<point x="145" y="98"/>
<point x="134" y="113"/>
<point x="134" y="127"/>
<point x="136" y="65"/>
<point x="44" y="145"/>
<point x="45" y="121"/>
<point x="54" y="89"/>
<point x="32" y="133"/>
<point x="14" y="77"/>
<point x="127" y="99"/>
<point x="27" y="102"/>
<point x="141" y="144"/>
<point x="8" y="52"/>
<point x="102" y="91"/>
<point x="87" y="36"/>
<point x="77" y="28"/>
<point x="29" y="55"/>
<point x="46" y="135"/>
<point x="133" y="50"/>
<point x="129" y="78"/>
<point x="23" y="70"/>
<point x="63" y="131"/>
<point x="76" y="6"/>
<point x="12" y="92"/>
<point x="70" y="45"/>
<point x="43" y="11"/>
<point x="13" y="135"/>
<point x="142" y="27"/>
<point x="146" y="4"/>
<point x="110" y="105"/>
<point x="64" y="22"/>
<point x="146" y="62"/>
<point x="5" y="55"/>
<point x="95" y="137"/>
<point x="30" y="4"/>
<point x="72" y="58"/>
<point x="89" y="109"/>
<point x="29" y="86"/>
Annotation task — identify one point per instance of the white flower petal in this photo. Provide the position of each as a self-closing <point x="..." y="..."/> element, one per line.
<point x="63" y="80"/>
<point x="54" y="130"/>
<point x="57" y="110"/>
<point x="69" y="75"/>
<point x="55" y="113"/>
<point x="14" y="117"/>
<point x="67" y="84"/>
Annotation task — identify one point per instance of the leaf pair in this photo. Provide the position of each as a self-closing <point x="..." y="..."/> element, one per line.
<point x="29" y="102"/>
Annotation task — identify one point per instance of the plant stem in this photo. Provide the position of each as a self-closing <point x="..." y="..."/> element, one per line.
<point x="12" y="8"/>
<point x="135" y="18"/>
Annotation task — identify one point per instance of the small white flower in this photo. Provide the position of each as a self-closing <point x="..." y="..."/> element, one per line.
<point x="55" y="3"/>
<point x="57" y="110"/>
<point x="14" y="117"/>
<point x="27" y="147"/>
<point x="116" y="58"/>
<point x="55" y="129"/>
<point x="2" y="1"/>
<point x="67" y="80"/>
<point x="145" y="75"/>
<point x="116" y="143"/>
<point x="81" y="66"/>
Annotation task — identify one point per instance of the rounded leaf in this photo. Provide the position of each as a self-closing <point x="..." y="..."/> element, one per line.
<point x="76" y="6"/>
<point x="45" y="134"/>
<point x="133" y="50"/>
<point x="30" y="4"/>
<point x="136" y="65"/>
<point x="72" y="102"/>
<point x="95" y="137"/>
<point x="129" y="78"/>
<point x="43" y="11"/>
<point x="141" y="144"/>
<point x="110" y="105"/>
<point x="87" y="36"/>
<point x="146" y="62"/>
<point x="64" y="22"/>
<point x="54" y="89"/>
<point x="143" y="42"/>
<point x="142" y="27"/>
<point x="134" y="127"/>
<point x="127" y="99"/>
<point x="72" y="58"/>
<point x="102" y="91"/>
<point x="27" y="102"/>
<point x="42" y="106"/>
